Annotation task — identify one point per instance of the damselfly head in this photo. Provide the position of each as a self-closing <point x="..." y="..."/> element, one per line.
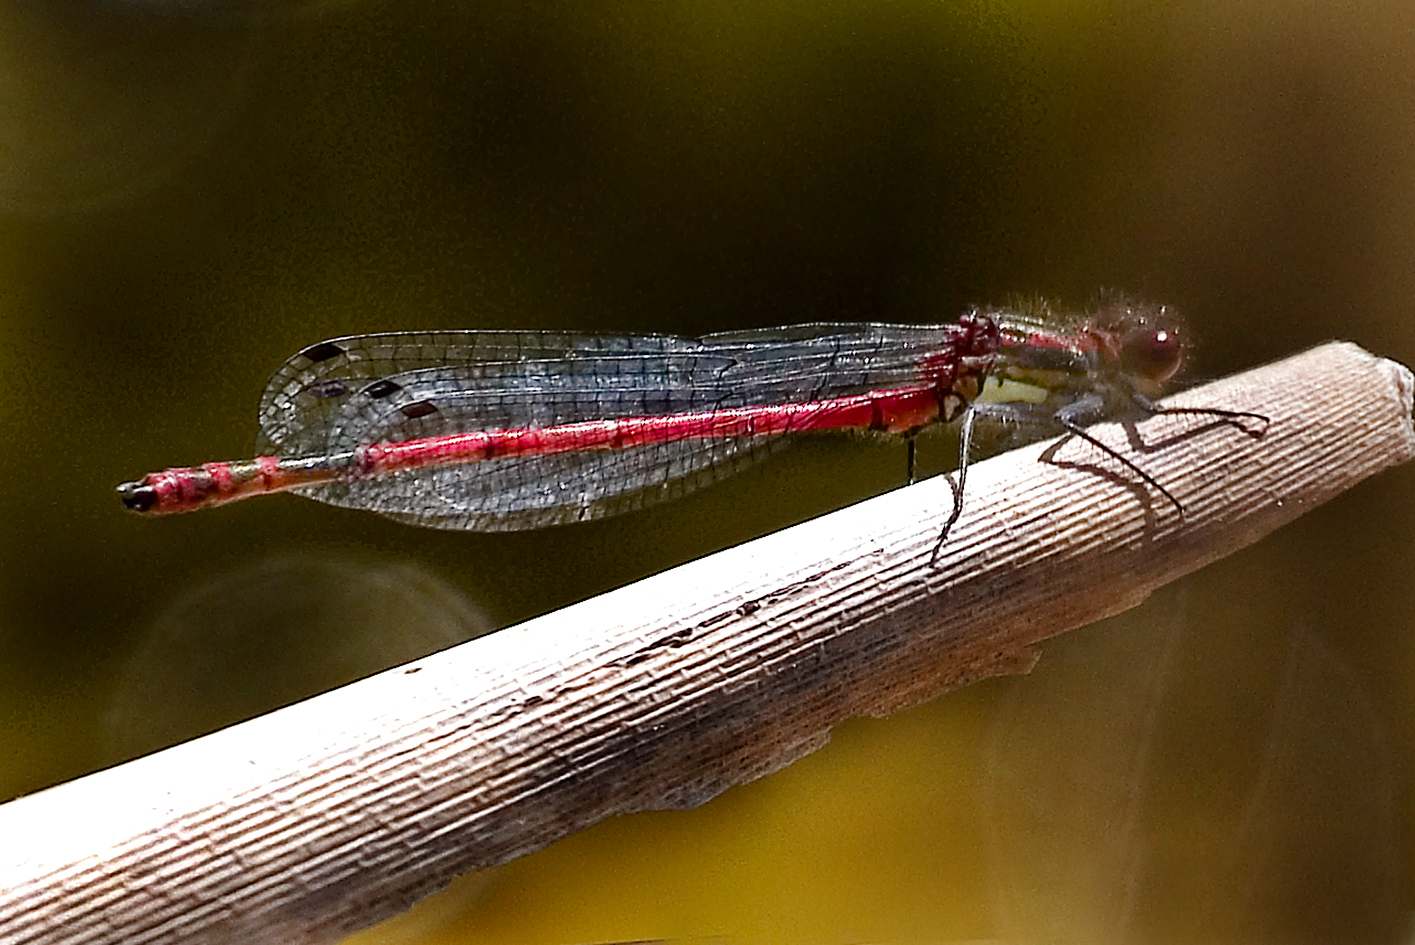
<point x="1145" y="342"/>
<point x="1155" y="354"/>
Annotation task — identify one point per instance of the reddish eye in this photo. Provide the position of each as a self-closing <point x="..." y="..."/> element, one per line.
<point x="1152" y="353"/>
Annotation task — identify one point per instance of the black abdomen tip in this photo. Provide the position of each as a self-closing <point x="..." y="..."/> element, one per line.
<point x="137" y="497"/>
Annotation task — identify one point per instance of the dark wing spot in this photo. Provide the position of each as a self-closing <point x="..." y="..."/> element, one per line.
<point x="381" y="389"/>
<point x="420" y="408"/>
<point x="322" y="351"/>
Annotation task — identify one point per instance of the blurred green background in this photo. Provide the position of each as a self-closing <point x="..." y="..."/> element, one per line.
<point x="192" y="191"/>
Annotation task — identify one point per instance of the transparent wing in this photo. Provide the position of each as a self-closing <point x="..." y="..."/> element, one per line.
<point x="336" y="396"/>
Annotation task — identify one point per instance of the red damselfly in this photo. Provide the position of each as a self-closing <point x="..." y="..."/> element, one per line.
<point x="507" y="430"/>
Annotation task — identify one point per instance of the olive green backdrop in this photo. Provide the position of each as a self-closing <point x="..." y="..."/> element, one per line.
<point x="191" y="191"/>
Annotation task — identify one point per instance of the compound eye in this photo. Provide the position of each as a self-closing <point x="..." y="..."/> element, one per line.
<point x="1154" y="354"/>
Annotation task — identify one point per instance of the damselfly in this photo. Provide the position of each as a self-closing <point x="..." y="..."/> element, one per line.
<point x="507" y="430"/>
